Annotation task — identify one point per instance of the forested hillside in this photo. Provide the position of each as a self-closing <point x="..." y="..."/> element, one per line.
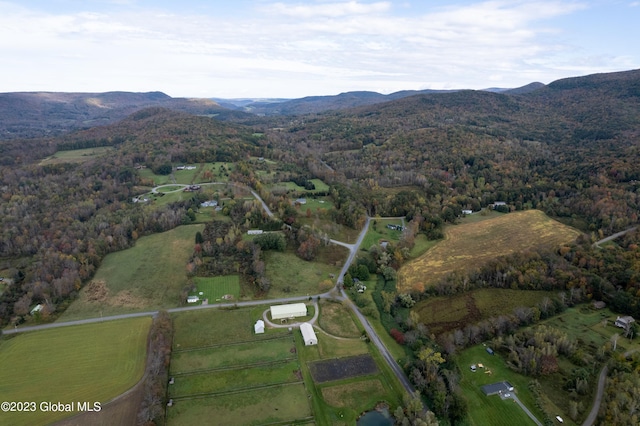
<point x="569" y="149"/>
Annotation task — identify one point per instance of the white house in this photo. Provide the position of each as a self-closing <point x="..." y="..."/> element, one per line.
<point x="308" y="335"/>
<point x="255" y="231"/>
<point x="258" y="327"/>
<point x="288" y="311"/>
<point x="192" y="299"/>
<point x="624" y="322"/>
<point x="465" y="211"/>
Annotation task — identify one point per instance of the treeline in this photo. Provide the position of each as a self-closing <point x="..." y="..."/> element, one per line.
<point x="154" y="400"/>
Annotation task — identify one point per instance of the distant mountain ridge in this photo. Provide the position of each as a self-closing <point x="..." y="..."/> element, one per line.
<point x="37" y="114"/>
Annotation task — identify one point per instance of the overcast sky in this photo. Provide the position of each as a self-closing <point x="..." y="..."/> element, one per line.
<point x="264" y="48"/>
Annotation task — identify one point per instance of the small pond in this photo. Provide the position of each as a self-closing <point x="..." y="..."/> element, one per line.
<point x="375" y="418"/>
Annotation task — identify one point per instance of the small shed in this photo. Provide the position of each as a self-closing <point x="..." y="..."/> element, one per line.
<point x="37" y="308"/>
<point x="258" y="327"/>
<point x="308" y="335"/>
<point x="490" y="351"/>
<point x="288" y="311"/>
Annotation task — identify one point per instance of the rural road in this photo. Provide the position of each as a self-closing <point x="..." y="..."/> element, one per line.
<point x="353" y="249"/>
<point x="597" y="400"/>
<point x="614" y="236"/>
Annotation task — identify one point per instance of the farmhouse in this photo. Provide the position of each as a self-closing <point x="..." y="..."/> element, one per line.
<point x="255" y="231"/>
<point x="192" y="299"/>
<point x="395" y="227"/>
<point x="301" y="201"/>
<point x="288" y="311"/>
<point x="308" y="335"/>
<point x="258" y="327"/>
<point x="498" y="204"/>
<point x="496" y="388"/>
<point x="467" y="211"/>
<point x="212" y="203"/>
<point x="624" y="322"/>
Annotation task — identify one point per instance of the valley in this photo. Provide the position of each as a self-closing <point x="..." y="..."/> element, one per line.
<point x="418" y="231"/>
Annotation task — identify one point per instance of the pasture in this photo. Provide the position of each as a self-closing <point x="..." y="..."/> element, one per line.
<point x="446" y="313"/>
<point x="150" y="275"/>
<point x="292" y="276"/>
<point x="335" y="318"/>
<point x="220" y="366"/>
<point x="469" y="246"/>
<point x="76" y="155"/>
<point x="216" y="288"/>
<point x="92" y="362"/>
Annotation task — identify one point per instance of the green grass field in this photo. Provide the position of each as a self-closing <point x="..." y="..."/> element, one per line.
<point x="150" y="275"/>
<point x="335" y="318"/>
<point x="276" y="405"/>
<point x="441" y="314"/>
<point x="216" y="352"/>
<point x="470" y="245"/>
<point x="292" y="276"/>
<point x="491" y="410"/>
<point x="214" y="288"/>
<point x="378" y="231"/>
<point x="232" y="355"/>
<point x="92" y="362"/>
<point x="76" y="155"/>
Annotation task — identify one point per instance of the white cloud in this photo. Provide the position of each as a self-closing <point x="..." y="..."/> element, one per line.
<point x="323" y="10"/>
<point x="291" y="50"/>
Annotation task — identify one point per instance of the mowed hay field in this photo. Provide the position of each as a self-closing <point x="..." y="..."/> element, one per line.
<point x="91" y="362"/>
<point x="446" y="313"/>
<point x="469" y="246"/>
<point x="148" y="276"/>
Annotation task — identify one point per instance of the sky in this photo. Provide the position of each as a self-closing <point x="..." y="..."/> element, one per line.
<point x="291" y="49"/>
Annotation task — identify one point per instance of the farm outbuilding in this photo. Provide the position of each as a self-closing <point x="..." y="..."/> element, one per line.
<point x="288" y="311"/>
<point x="258" y="327"/>
<point x="308" y="335"/>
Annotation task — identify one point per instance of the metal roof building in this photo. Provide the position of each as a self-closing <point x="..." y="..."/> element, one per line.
<point x="308" y="334"/>
<point x="288" y="311"/>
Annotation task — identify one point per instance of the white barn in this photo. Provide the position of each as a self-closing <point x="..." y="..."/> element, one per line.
<point x="288" y="311"/>
<point x="258" y="327"/>
<point x="308" y="335"/>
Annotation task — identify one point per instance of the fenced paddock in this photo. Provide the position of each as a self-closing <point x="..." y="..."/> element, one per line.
<point x="222" y="370"/>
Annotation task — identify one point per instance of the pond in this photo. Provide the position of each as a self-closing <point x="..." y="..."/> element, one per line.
<point x="376" y="418"/>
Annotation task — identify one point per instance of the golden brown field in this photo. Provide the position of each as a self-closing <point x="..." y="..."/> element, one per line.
<point x="469" y="246"/>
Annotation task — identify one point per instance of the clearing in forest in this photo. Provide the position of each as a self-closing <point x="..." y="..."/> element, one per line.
<point x="469" y="246"/>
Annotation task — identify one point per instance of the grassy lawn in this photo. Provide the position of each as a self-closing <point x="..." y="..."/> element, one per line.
<point x="441" y="314"/>
<point x="336" y="319"/>
<point x="92" y="362"/>
<point x="334" y="230"/>
<point x="76" y="155"/>
<point x="470" y="245"/>
<point x="492" y="410"/>
<point x="149" y="275"/>
<point x="422" y="244"/>
<point x="317" y="206"/>
<point x="378" y="231"/>
<point x="276" y="405"/>
<point x="214" y="288"/>
<point x="232" y="355"/>
<point x="292" y="276"/>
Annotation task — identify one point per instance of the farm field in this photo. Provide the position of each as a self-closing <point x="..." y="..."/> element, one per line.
<point x="336" y="319"/>
<point x="149" y="275"/>
<point x="292" y="276"/>
<point x="76" y="155"/>
<point x="470" y="245"/>
<point x="222" y="369"/>
<point x="446" y="313"/>
<point x="92" y="362"/>
<point x="217" y="289"/>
